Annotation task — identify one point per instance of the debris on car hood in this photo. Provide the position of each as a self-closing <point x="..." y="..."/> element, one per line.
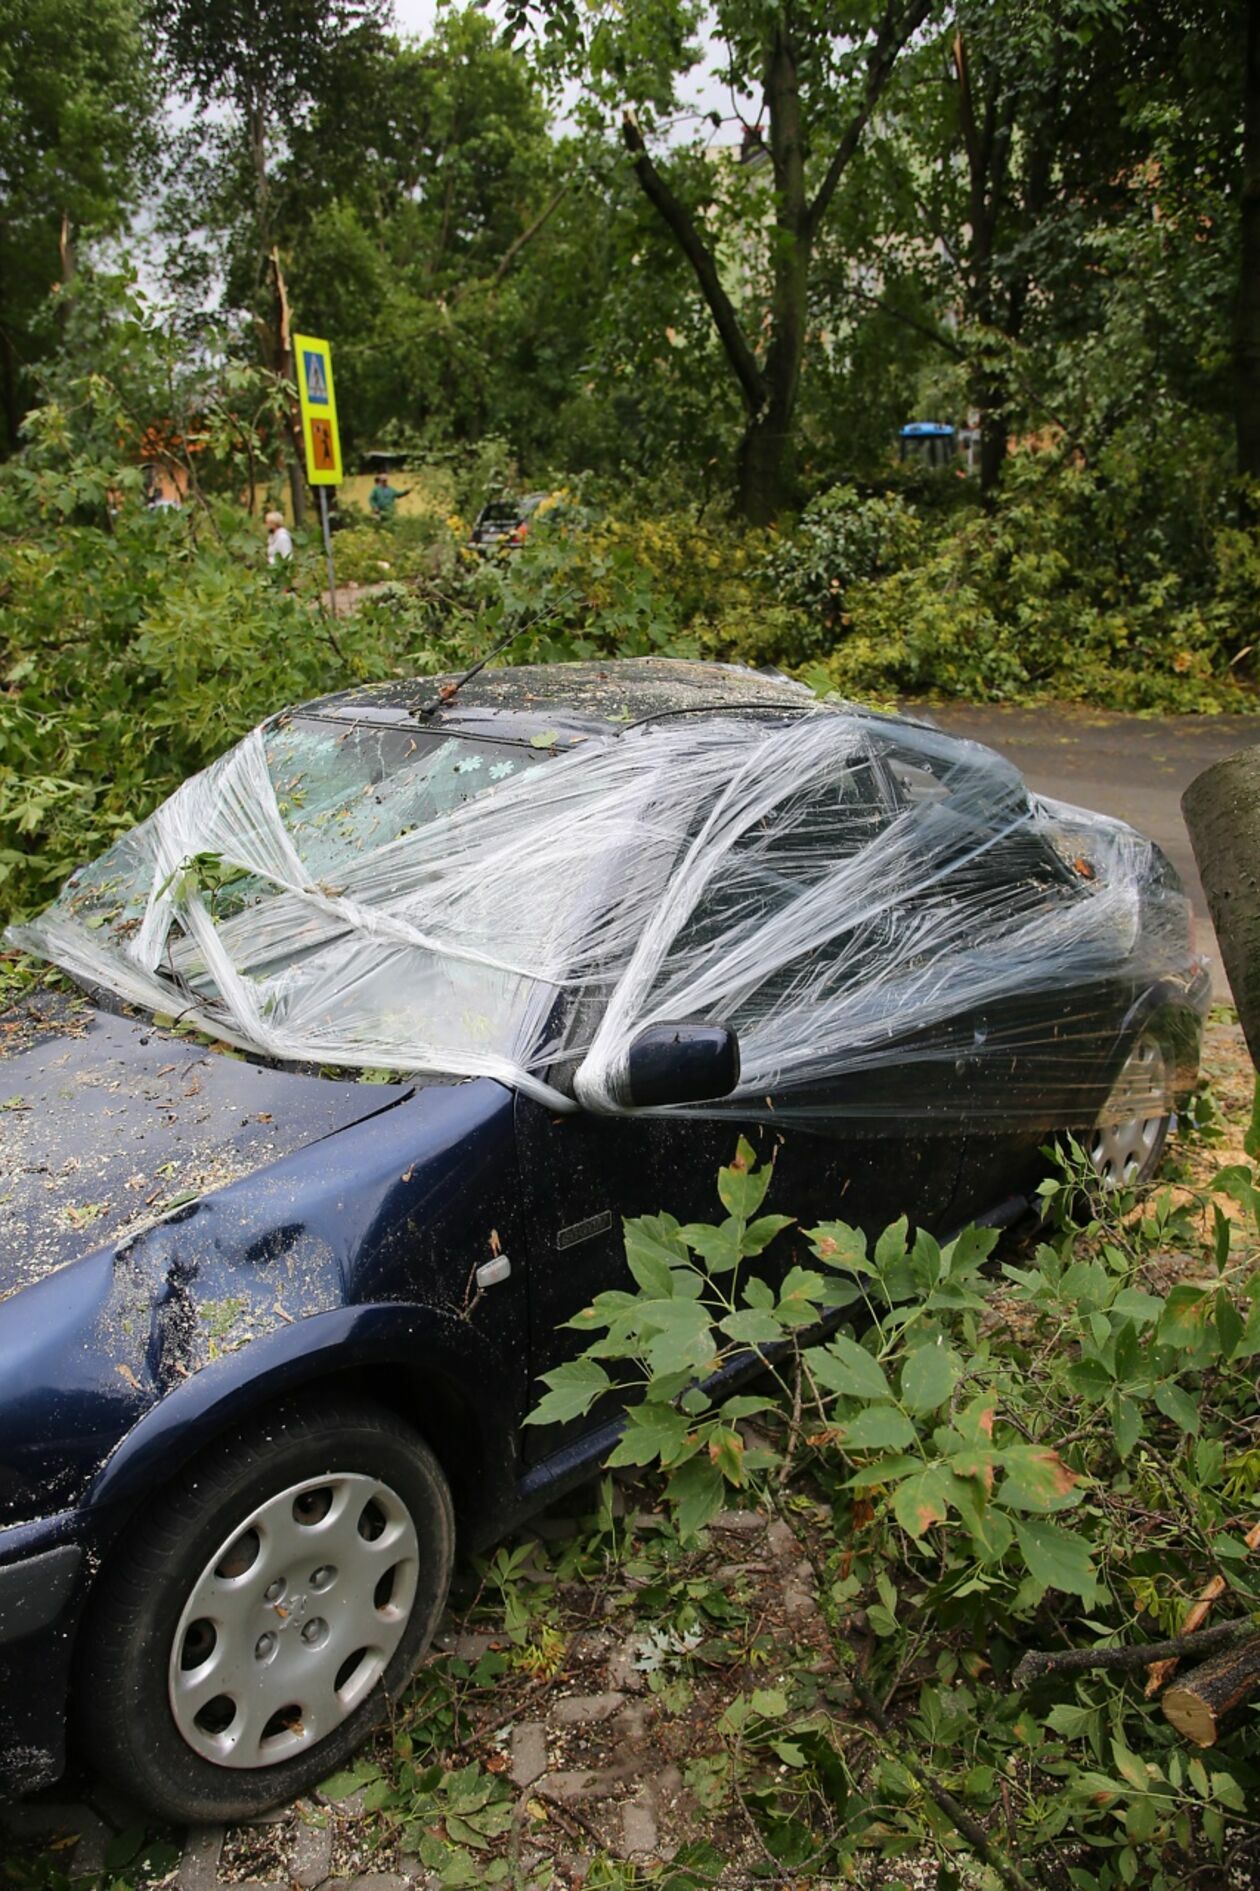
<point x="109" y="1123"/>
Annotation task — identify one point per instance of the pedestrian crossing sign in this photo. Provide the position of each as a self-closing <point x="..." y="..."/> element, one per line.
<point x="313" y="364"/>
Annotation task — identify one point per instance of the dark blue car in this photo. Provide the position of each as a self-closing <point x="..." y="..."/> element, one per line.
<point x="377" y="1032"/>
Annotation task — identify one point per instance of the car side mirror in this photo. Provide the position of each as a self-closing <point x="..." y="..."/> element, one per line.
<point x="679" y="1063"/>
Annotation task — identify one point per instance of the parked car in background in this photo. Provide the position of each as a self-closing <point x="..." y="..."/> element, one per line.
<point x="269" y="1332"/>
<point x="504" y="524"/>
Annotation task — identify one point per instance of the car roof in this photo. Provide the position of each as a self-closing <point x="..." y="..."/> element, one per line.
<point x="575" y="700"/>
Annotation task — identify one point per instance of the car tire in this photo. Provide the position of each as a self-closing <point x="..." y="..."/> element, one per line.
<point x="1128" y="1152"/>
<point x="255" y="1623"/>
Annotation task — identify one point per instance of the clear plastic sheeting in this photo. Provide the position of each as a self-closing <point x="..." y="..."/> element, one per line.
<point x="891" y="925"/>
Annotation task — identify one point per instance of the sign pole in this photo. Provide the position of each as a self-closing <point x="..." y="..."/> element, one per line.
<point x="323" y="519"/>
<point x="320" y="436"/>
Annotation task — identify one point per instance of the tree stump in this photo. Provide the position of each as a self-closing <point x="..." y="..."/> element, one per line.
<point x="1197" y="1705"/>
<point x="1222" y="810"/>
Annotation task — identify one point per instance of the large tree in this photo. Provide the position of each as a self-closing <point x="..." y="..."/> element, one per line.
<point x="818" y="75"/>
<point x="76" y="104"/>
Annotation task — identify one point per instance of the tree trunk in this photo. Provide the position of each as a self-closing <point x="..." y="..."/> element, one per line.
<point x="284" y="366"/>
<point x="763" y="452"/>
<point x="1247" y="314"/>
<point x="9" y="391"/>
<point x="1222" y="812"/>
<point x="1197" y="1706"/>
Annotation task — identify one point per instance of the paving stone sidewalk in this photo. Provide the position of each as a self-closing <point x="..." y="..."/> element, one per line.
<point x="591" y="1757"/>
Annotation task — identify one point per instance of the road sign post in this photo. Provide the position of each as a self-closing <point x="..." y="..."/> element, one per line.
<point x="320" y="436"/>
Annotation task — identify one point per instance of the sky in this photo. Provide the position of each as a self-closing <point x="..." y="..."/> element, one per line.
<point x="702" y="92"/>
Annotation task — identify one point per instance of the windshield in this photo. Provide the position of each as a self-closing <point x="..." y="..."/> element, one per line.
<point x="341" y="789"/>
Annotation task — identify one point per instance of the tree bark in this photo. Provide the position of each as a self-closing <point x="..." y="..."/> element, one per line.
<point x="9" y="390"/>
<point x="986" y="133"/>
<point x="1197" y="1706"/>
<point x="1247" y="314"/>
<point x="769" y="392"/>
<point x="763" y="453"/>
<point x="1222" y="812"/>
<point x="284" y="366"/>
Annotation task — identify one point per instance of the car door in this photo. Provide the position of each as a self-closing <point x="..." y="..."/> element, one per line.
<point x="583" y="1173"/>
<point x="1027" y="1043"/>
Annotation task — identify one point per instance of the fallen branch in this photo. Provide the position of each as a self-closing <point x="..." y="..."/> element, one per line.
<point x="1039" y="1662"/>
<point x="1195" y="1618"/>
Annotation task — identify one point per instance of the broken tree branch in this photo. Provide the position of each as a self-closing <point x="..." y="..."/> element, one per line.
<point x="1040" y="1661"/>
<point x="679" y="220"/>
<point x="895" y="29"/>
<point x="1195" y="1618"/>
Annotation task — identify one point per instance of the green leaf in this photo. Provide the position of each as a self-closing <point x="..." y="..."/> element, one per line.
<point x="836" y="1244"/>
<point x="1141" y="1308"/>
<point x="743" y="1186"/>
<point x="1074" y="1723"/>
<point x="752" y="1326"/>
<point x="1036" y="1478"/>
<point x="800" y="1297"/>
<point x="1056" y="1558"/>
<point x="845" y="1367"/>
<point x="653" y="1433"/>
<point x="349" y="1780"/>
<point x="886" y="1471"/>
<point x="928" y="1376"/>
<point x="1126" y="1420"/>
<point x="878" y="1428"/>
<point x="770" y="1702"/>
<point x="718" y="1248"/>
<point x="678" y="1334"/>
<point x="726" y="1450"/>
<point x="891" y="1245"/>
<point x="574" y="1388"/>
<point x="924" y="1499"/>
<point x="1178" y="1406"/>
<point x="699" y="1491"/>
<point x="760" y="1233"/>
<point x="649" y="1260"/>
<point x="1186" y="1313"/>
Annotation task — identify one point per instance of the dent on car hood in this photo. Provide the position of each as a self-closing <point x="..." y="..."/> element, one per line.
<point x="109" y="1122"/>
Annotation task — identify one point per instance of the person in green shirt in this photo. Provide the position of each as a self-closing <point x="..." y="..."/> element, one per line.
<point x="384" y="498"/>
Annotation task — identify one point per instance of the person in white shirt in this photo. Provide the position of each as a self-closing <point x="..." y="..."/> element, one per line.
<point x="279" y="543"/>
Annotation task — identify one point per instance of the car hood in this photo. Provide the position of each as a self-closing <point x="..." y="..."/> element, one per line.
<point x="108" y="1122"/>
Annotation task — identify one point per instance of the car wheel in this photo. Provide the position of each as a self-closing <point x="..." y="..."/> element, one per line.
<point x="1127" y="1144"/>
<point x="253" y="1626"/>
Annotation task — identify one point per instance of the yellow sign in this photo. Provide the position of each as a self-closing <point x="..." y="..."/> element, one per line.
<point x="313" y="364"/>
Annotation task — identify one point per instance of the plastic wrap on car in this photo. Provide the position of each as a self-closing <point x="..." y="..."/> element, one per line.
<point x="892" y="926"/>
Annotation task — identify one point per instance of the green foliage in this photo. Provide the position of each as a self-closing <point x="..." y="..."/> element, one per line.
<point x="78" y="93"/>
<point x="1035" y="1454"/>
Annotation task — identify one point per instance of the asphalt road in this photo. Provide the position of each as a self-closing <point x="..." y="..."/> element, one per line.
<point x="1134" y="767"/>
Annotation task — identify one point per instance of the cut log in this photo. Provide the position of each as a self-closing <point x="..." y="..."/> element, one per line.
<point x="1197" y="1706"/>
<point x="1222" y="810"/>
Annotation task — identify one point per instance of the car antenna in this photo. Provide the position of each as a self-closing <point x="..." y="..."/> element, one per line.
<point x="449" y="691"/>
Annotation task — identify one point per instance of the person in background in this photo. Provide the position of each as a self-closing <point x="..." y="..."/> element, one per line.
<point x="279" y="543"/>
<point x="384" y="498"/>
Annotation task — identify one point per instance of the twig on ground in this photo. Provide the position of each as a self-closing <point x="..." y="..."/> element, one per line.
<point x="970" y="1828"/>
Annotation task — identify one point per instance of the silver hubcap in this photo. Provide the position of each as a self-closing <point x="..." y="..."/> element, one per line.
<point x="293" y="1620"/>
<point x="1129" y="1124"/>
